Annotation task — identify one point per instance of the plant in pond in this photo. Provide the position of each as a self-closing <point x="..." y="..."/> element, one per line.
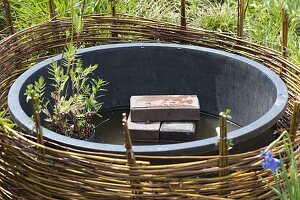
<point x="287" y="183"/>
<point x="72" y="114"/>
<point x="74" y="99"/>
<point x="35" y="92"/>
<point x="73" y="103"/>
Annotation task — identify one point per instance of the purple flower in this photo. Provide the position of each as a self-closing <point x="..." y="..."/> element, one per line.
<point x="269" y="162"/>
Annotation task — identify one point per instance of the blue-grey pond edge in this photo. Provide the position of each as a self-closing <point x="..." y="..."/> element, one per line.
<point x="261" y="124"/>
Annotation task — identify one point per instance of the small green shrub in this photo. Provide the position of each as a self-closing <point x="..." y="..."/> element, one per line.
<point x="72" y="112"/>
<point x="74" y="99"/>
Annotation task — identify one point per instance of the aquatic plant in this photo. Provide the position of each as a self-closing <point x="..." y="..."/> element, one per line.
<point x="75" y="93"/>
<point x="73" y="113"/>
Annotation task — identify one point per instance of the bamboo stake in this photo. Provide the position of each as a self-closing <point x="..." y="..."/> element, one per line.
<point x="284" y="32"/>
<point x="128" y="143"/>
<point x="135" y="184"/>
<point x="295" y="121"/>
<point x="53" y="17"/>
<point x="223" y="149"/>
<point x="9" y="20"/>
<point x="284" y="38"/>
<point x="113" y="14"/>
<point x="52" y="10"/>
<point x="113" y="8"/>
<point x="183" y="14"/>
<point x="241" y="17"/>
<point x="8" y="15"/>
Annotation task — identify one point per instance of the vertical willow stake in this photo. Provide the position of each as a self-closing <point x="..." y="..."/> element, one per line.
<point x="128" y="143"/>
<point x="284" y="37"/>
<point x="113" y="8"/>
<point x="52" y="10"/>
<point x="11" y="29"/>
<point x="223" y="148"/>
<point x="53" y="18"/>
<point x="8" y="16"/>
<point x="284" y="32"/>
<point x="135" y="185"/>
<point x="295" y="121"/>
<point x="113" y="14"/>
<point x="183" y="14"/>
<point x="241" y="17"/>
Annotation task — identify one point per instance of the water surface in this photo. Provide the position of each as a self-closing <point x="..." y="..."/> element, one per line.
<point x="110" y="128"/>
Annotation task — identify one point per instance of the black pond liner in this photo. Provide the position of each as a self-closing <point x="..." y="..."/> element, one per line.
<point x="256" y="96"/>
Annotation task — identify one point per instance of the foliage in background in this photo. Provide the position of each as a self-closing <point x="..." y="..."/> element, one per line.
<point x="262" y="22"/>
<point x="213" y="15"/>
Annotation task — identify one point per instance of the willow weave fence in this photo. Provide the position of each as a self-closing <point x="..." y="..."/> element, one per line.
<point x="65" y="173"/>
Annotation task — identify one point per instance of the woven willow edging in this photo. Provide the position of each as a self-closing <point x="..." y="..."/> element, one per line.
<point x="64" y="173"/>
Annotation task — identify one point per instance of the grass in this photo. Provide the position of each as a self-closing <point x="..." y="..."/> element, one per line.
<point x="262" y="22"/>
<point x="263" y="25"/>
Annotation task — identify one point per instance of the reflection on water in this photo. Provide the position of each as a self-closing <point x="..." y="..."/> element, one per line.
<point x="109" y="129"/>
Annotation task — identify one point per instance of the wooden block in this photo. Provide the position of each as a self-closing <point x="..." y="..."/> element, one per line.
<point x="144" y="131"/>
<point x="177" y="131"/>
<point x="165" y="108"/>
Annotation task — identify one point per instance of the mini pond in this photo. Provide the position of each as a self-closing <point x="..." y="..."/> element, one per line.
<point x="256" y="96"/>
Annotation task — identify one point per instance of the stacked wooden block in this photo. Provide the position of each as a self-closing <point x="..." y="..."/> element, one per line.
<point x="163" y="118"/>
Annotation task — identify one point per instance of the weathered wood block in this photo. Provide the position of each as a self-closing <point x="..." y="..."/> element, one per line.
<point x="165" y="108"/>
<point x="143" y="131"/>
<point x="177" y="131"/>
